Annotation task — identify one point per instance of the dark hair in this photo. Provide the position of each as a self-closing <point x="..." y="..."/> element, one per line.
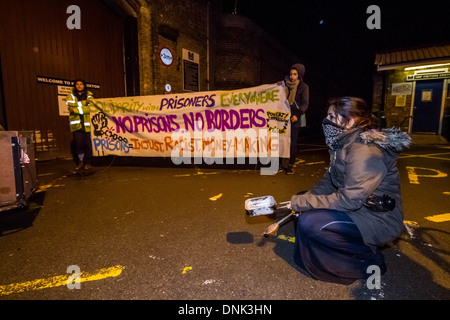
<point x="356" y="108"/>
<point x="81" y="95"/>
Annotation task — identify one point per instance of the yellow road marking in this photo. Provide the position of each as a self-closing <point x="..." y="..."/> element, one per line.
<point x="216" y="197"/>
<point x="414" y="177"/>
<point x="185" y="270"/>
<point x="45" y="187"/>
<point x="283" y="237"/>
<point x="59" y="281"/>
<point x="46" y="174"/>
<point x="427" y="156"/>
<point x="439" y="217"/>
<point x="312" y="163"/>
<point x="195" y="174"/>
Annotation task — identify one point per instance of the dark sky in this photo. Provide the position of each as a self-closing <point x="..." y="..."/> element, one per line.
<point x="333" y="35"/>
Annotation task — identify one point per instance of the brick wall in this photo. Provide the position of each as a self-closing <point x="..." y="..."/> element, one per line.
<point x="397" y="115"/>
<point x="241" y="54"/>
<point x="246" y="56"/>
<point x="175" y="25"/>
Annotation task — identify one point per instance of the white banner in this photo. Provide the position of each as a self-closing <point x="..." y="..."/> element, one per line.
<point x="250" y="122"/>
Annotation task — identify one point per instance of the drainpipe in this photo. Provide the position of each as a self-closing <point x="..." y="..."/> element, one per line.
<point x="383" y="120"/>
<point x="145" y="49"/>
<point x="208" y="10"/>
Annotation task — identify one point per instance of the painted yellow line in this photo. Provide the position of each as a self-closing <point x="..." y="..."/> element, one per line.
<point x="427" y="156"/>
<point x="195" y="174"/>
<point x="46" y="174"/>
<point x="216" y="197"/>
<point x="59" y="281"/>
<point x="185" y="270"/>
<point x="439" y="217"/>
<point x="312" y="163"/>
<point x="45" y="187"/>
<point x="414" y="177"/>
<point x="283" y="237"/>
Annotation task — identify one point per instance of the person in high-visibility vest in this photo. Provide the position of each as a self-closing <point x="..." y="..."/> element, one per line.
<point x="78" y="103"/>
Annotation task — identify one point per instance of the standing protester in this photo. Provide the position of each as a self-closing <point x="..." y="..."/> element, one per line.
<point x="356" y="207"/>
<point x="78" y="103"/>
<point x="297" y="94"/>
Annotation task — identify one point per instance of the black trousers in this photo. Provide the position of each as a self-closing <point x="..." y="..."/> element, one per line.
<point x="294" y="141"/>
<point x="329" y="247"/>
<point x="284" y="162"/>
<point x="83" y="145"/>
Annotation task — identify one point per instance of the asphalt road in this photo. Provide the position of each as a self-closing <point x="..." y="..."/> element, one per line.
<point x="151" y="230"/>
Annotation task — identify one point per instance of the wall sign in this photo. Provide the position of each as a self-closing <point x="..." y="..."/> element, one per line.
<point x="400" y="100"/>
<point x="64" y="82"/>
<point x="63" y="91"/>
<point x="64" y="88"/>
<point x="427" y="95"/>
<point x="191" y="61"/>
<point x="166" y="56"/>
<point x="427" y="76"/>
<point x="401" y="88"/>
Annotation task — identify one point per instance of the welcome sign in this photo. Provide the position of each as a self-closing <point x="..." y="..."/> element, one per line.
<point x="250" y="122"/>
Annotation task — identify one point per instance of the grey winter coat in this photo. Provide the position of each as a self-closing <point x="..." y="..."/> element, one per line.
<point x="365" y="163"/>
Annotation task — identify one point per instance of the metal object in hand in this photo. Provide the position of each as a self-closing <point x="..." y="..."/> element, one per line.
<point x="262" y="206"/>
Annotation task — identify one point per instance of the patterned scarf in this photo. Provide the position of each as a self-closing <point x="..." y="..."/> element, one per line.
<point x="331" y="132"/>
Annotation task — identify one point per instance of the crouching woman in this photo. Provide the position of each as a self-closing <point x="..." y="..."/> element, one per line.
<point x="356" y="207"/>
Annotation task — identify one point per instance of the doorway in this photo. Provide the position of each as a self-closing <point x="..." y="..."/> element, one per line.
<point x="427" y="106"/>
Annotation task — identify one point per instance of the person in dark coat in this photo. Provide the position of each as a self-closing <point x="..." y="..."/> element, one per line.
<point x="357" y="206"/>
<point x="297" y="94"/>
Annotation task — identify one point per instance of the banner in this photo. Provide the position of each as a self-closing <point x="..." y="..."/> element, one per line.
<point x="250" y="122"/>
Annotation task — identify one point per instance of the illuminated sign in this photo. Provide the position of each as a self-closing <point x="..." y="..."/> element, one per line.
<point x="427" y="76"/>
<point x="166" y="56"/>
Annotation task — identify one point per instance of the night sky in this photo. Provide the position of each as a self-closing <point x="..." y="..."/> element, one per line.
<point x="333" y="35"/>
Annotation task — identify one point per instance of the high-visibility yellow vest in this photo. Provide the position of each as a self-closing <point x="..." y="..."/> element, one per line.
<point x="79" y="115"/>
